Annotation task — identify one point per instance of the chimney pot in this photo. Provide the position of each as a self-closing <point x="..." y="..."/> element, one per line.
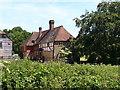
<point x="51" y="24"/>
<point x="40" y="30"/>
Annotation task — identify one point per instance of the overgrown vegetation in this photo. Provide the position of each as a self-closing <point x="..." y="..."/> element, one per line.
<point x="99" y="35"/>
<point x="29" y="74"/>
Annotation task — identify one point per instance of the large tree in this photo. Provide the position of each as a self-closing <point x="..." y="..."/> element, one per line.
<point x="18" y="35"/>
<point x="99" y="35"/>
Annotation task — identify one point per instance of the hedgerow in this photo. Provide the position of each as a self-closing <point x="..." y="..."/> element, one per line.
<point x="31" y="74"/>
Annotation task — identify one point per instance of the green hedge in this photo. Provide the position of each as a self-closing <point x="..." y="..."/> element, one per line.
<point x="30" y="74"/>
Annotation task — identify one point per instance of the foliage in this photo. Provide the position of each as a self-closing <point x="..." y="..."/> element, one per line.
<point x="99" y="35"/>
<point x="17" y="35"/>
<point x="64" y="54"/>
<point x="29" y="74"/>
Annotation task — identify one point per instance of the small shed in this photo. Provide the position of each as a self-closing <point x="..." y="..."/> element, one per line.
<point x="5" y="46"/>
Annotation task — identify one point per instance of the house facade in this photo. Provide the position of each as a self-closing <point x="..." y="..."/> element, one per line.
<point x="5" y="46"/>
<point x="46" y="44"/>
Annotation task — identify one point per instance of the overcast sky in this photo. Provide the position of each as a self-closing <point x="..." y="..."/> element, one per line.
<point x="32" y="14"/>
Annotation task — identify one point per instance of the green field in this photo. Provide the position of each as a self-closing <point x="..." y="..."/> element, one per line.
<point x="31" y="74"/>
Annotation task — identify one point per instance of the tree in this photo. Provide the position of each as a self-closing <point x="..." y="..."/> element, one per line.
<point x="17" y="35"/>
<point x="99" y="35"/>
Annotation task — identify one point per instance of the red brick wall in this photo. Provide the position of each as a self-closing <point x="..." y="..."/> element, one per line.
<point x="29" y="48"/>
<point x="26" y="48"/>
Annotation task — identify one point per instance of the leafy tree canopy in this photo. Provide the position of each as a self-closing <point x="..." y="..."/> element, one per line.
<point x="17" y="35"/>
<point x="99" y="35"/>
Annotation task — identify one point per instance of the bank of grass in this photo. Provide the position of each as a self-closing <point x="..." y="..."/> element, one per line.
<point x="30" y="74"/>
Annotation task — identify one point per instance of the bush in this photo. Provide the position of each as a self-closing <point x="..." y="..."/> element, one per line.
<point x="31" y="74"/>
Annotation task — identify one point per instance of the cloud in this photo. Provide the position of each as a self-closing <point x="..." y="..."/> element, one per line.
<point x="46" y="11"/>
<point x="32" y="15"/>
<point x="51" y="0"/>
<point x="7" y="26"/>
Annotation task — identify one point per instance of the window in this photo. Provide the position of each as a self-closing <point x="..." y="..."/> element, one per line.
<point x="50" y="44"/>
<point x="39" y="46"/>
<point x="0" y="44"/>
<point x="60" y="43"/>
<point x="47" y="44"/>
<point x="0" y="35"/>
<point x="44" y="45"/>
<point x="56" y="43"/>
<point x="4" y="36"/>
<point x="9" y="43"/>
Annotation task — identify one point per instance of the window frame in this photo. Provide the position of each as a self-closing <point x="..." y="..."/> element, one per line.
<point x="1" y="44"/>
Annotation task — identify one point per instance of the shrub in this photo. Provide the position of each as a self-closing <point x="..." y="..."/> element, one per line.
<point x="31" y="74"/>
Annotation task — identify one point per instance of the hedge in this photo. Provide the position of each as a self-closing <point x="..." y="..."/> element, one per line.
<point x="32" y="74"/>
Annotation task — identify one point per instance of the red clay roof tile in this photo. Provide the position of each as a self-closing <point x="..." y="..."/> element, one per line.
<point x="1" y="32"/>
<point x="56" y="34"/>
<point x="28" y="41"/>
<point x="63" y="35"/>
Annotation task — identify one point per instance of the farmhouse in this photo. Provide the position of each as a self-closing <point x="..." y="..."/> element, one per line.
<point x="5" y="46"/>
<point x="46" y="44"/>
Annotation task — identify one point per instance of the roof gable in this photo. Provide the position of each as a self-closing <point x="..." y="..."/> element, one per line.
<point x="1" y="32"/>
<point x="63" y="35"/>
<point x="51" y="35"/>
<point x="6" y="36"/>
<point x="42" y="35"/>
<point x="28" y="41"/>
<point x="56" y="34"/>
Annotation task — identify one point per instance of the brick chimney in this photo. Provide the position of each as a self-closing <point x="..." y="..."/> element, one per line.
<point x="40" y="30"/>
<point x="51" y="24"/>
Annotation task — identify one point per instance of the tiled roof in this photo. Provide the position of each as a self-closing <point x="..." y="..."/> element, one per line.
<point x="56" y="34"/>
<point x="43" y="34"/>
<point x="1" y="32"/>
<point x="63" y="35"/>
<point x="28" y="41"/>
<point x="50" y="36"/>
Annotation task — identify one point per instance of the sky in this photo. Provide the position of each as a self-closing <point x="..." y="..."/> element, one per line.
<point x="32" y="14"/>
